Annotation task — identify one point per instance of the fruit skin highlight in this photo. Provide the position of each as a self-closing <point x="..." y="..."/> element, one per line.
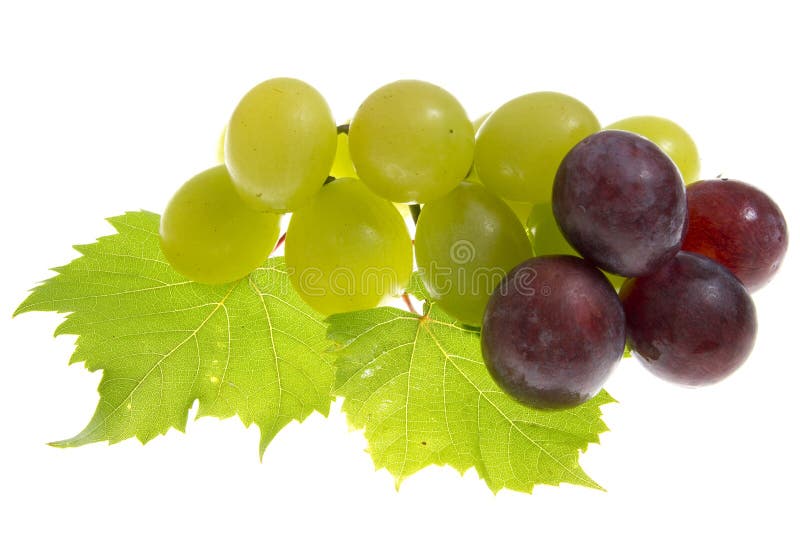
<point x="691" y="322"/>
<point x="411" y="141"/>
<point x="621" y="202"/>
<point x="280" y="145"/>
<point x="738" y="226"/>
<point x="348" y="249"/>
<point x="208" y="234"/>
<point x="553" y="332"/>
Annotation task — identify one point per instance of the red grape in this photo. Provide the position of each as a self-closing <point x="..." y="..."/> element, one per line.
<point x="738" y="226"/>
<point x="553" y="331"/>
<point x="621" y="202"/>
<point x="690" y="322"/>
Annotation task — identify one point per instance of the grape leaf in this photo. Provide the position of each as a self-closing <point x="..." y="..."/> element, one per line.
<point x="416" y="287"/>
<point x="421" y="392"/>
<point x="251" y="348"/>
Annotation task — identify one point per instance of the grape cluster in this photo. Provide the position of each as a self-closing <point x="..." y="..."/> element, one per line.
<point x="559" y="239"/>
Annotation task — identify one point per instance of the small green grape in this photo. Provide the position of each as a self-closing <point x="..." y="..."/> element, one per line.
<point x="466" y="242"/>
<point x="520" y="146"/>
<point x="342" y="164"/>
<point x="280" y="144"/>
<point x="546" y="236"/>
<point x="348" y="249"/>
<point x="411" y="141"/>
<point x="670" y="137"/>
<point x="548" y="240"/>
<point x="210" y="236"/>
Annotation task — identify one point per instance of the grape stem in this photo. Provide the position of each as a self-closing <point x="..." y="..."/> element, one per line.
<point x="281" y="239"/>
<point x="409" y="304"/>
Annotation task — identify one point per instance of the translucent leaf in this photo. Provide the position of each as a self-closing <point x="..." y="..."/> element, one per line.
<point x="250" y="348"/>
<point x="421" y="392"/>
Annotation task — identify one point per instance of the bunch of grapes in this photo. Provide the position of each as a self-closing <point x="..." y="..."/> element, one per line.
<point x="559" y="240"/>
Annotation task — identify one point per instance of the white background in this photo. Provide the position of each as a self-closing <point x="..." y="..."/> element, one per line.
<point x="105" y="109"/>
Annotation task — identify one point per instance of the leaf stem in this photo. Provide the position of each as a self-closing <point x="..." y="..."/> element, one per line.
<point x="409" y="304"/>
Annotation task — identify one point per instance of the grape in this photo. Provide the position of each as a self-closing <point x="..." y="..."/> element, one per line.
<point x="690" y="322"/>
<point x="347" y="249"/>
<point x="280" y="144"/>
<point x="520" y="145"/>
<point x="342" y="164"/>
<point x="411" y="141"/>
<point x="548" y="240"/>
<point x="620" y="201"/>
<point x="465" y="243"/>
<point x="669" y="137"/>
<point x="553" y="332"/>
<point x="739" y="226"/>
<point x="210" y="236"/>
<point x="546" y="237"/>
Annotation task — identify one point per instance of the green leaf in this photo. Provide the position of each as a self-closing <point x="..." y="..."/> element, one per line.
<point x="421" y="392"/>
<point x="249" y="348"/>
<point x="416" y="287"/>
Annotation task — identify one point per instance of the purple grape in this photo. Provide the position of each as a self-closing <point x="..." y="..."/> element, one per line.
<point x="690" y="322"/>
<point x="553" y="331"/>
<point x="621" y="202"/>
<point x="738" y="226"/>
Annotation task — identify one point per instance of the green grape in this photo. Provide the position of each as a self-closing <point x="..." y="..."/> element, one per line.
<point x="520" y="145"/>
<point x="280" y="144"/>
<point x="548" y="240"/>
<point x="670" y="137"/>
<point x="342" y="164"/>
<point x="411" y="141"/>
<point x="347" y="249"/>
<point x="546" y="236"/>
<point x="343" y="167"/>
<point x="210" y="236"/>
<point x="466" y="242"/>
